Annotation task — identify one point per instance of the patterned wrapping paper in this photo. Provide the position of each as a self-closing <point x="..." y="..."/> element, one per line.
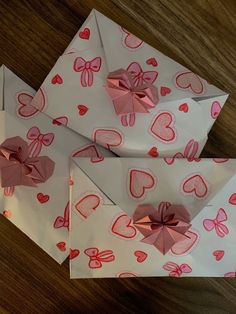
<point x="104" y="241"/>
<point x="187" y="105"/>
<point x="41" y="212"/>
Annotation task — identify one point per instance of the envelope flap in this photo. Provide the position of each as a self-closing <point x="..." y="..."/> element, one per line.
<point x="2" y="87"/>
<point x="123" y="49"/>
<point x="130" y="182"/>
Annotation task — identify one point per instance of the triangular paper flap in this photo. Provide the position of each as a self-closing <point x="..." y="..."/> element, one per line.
<point x="117" y="58"/>
<point x="138" y="181"/>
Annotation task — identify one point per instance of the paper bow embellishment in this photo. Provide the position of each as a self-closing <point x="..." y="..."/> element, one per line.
<point x="163" y="226"/>
<point x="128" y="98"/>
<point x="17" y="168"/>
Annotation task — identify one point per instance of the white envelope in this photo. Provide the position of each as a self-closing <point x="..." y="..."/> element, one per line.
<point x="187" y="108"/>
<point x="42" y="213"/>
<point x="104" y="241"/>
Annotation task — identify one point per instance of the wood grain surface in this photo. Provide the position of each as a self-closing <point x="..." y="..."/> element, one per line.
<point x="200" y="34"/>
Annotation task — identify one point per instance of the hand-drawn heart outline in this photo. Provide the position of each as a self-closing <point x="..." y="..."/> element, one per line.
<point x="169" y="135"/>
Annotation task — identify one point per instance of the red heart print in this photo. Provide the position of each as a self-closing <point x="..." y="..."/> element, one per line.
<point x="7" y="213"/>
<point x="152" y="61"/>
<point x="122" y="226"/>
<point x="196" y="185"/>
<point x="140" y="182"/>
<point x="219" y="254"/>
<point x="73" y="253"/>
<point x="232" y="199"/>
<point x="187" y="245"/>
<point x="87" y="205"/>
<point x="42" y="198"/>
<point x="153" y="152"/>
<point x="57" y="79"/>
<point x="82" y="109"/>
<point x="108" y="138"/>
<point x="141" y="256"/>
<point x="60" y="121"/>
<point x="215" y="109"/>
<point x="165" y="90"/>
<point x="189" y="80"/>
<point x="162" y="127"/>
<point x="183" y="107"/>
<point x="61" y="246"/>
<point x="85" y="34"/>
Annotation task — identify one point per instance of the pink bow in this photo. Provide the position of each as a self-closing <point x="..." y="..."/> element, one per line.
<point x="176" y="270"/>
<point x="190" y="152"/>
<point x="163" y="226"/>
<point x="38" y="140"/>
<point x="220" y="228"/>
<point x="63" y="221"/>
<point x="87" y="68"/>
<point x="128" y="98"/>
<point x="139" y="76"/>
<point x="17" y="168"/>
<point x="96" y="257"/>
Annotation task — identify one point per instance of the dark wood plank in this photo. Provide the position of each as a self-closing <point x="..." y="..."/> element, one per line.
<point x="200" y="34"/>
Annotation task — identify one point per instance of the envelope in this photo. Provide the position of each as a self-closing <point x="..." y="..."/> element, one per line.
<point x="105" y="241"/>
<point x="41" y="212"/>
<point x="172" y="111"/>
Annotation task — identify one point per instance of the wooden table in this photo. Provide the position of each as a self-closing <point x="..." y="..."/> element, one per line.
<point x="200" y="34"/>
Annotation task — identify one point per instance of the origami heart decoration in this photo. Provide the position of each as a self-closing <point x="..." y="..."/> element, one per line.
<point x="123" y="228"/>
<point x="87" y="205"/>
<point x="162" y="127"/>
<point x="140" y="182"/>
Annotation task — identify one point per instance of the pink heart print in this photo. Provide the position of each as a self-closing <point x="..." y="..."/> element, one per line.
<point x="63" y="221"/>
<point x="195" y="185"/>
<point x="27" y="107"/>
<point x="215" y="109"/>
<point x="38" y="140"/>
<point x="139" y="76"/>
<point x="108" y="138"/>
<point x="218" y="254"/>
<point x="87" y="205"/>
<point x="165" y="91"/>
<point x="140" y="182"/>
<point x="127" y="274"/>
<point x="87" y="69"/>
<point x="217" y="224"/>
<point x="162" y="127"/>
<point x="122" y="226"/>
<point x="176" y="270"/>
<point x="189" y="80"/>
<point x="130" y="41"/>
<point x="89" y="151"/>
<point x="230" y="274"/>
<point x="141" y="256"/>
<point x="187" y="245"/>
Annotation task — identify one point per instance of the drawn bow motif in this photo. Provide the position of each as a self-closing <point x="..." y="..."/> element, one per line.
<point x="217" y="223"/>
<point x="63" y="221"/>
<point x="141" y="77"/>
<point x="176" y="270"/>
<point x="87" y="68"/>
<point x="97" y="258"/>
<point x="38" y="140"/>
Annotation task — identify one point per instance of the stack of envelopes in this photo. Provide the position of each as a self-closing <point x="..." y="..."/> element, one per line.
<point x="102" y="163"/>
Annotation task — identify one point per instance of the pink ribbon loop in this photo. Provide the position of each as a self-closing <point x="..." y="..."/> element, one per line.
<point x="17" y="168"/>
<point x="128" y="98"/>
<point x="163" y="226"/>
